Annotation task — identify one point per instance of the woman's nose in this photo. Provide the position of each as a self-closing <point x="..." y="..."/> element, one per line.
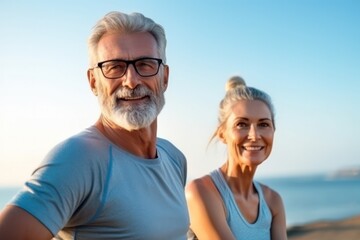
<point x="253" y="133"/>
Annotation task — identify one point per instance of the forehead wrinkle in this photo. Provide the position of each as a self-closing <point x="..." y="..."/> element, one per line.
<point x="127" y="46"/>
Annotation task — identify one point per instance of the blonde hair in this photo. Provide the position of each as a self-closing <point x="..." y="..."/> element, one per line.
<point x="236" y="90"/>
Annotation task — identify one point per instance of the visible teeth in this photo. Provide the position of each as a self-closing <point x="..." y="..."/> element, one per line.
<point x="253" y="148"/>
<point x="132" y="98"/>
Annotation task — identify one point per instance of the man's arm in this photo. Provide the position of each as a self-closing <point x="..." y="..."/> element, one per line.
<point x="17" y="224"/>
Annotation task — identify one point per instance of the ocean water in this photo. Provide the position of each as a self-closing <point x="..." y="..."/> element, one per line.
<point x="306" y="198"/>
<point x="6" y="193"/>
<point x="315" y="198"/>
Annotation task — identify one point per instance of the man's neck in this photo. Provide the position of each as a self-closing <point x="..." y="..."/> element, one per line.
<point x="141" y="143"/>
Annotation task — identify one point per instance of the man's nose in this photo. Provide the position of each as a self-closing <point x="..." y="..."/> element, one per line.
<point x="131" y="77"/>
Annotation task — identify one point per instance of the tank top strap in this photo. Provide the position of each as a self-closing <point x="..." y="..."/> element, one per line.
<point x="224" y="191"/>
<point x="264" y="210"/>
<point x="258" y="189"/>
<point x="220" y="183"/>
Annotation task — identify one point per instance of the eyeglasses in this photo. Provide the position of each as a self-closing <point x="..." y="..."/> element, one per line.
<point x="116" y="68"/>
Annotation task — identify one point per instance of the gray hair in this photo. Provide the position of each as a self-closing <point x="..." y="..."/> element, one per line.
<point x="125" y="23"/>
<point x="236" y="90"/>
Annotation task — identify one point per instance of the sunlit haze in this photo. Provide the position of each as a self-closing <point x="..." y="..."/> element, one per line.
<point x="305" y="54"/>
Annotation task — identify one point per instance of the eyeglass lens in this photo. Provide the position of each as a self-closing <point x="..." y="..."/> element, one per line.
<point x="117" y="68"/>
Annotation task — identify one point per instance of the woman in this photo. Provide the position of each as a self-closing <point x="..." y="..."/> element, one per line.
<point x="228" y="204"/>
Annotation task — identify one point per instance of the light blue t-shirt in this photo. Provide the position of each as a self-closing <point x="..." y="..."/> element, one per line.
<point x="240" y="227"/>
<point x="88" y="188"/>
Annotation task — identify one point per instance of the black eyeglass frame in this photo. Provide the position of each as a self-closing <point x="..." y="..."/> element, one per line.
<point x="128" y="62"/>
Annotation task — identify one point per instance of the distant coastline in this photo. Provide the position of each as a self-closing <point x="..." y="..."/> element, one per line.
<point x="353" y="172"/>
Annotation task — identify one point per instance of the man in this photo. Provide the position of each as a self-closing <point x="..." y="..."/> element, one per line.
<point x="116" y="179"/>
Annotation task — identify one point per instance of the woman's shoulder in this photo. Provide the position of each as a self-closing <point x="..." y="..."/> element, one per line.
<point x="199" y="184"/>
<point x="202" y="189"/>
<point x="202" y="192"/>
<point x="272" y="197"/>
<point x="269" y="193"/>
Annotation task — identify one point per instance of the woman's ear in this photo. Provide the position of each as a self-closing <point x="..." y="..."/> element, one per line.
<point x="92" y="81"/>
<point x="220" y="134"/>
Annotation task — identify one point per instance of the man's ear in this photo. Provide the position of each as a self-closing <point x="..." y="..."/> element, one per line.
<point x="92" y="81"/>
<point x="166" y="76"/>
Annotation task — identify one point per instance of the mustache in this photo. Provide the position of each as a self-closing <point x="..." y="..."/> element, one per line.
<point x="137" y="92"/>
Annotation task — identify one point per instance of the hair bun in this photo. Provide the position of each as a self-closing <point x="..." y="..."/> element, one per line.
<point x="234" y="82"/>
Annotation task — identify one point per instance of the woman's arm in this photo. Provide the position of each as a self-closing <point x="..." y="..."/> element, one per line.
<point x="17" y="224"/>
<point x="206" y="210"/>
<point x="278" y="223"/>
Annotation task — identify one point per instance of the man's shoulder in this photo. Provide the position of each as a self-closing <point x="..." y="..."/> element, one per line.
<point x="88" y="138"/>
<point x="85" y="145"/>
<point x="163" y="142"/>
<point x="168" y="146"/>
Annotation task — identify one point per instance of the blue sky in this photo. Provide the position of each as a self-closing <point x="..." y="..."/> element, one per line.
<point x="305" y="54"/>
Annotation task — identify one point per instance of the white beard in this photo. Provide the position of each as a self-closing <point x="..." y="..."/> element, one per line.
<point x="136" y="116"/>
